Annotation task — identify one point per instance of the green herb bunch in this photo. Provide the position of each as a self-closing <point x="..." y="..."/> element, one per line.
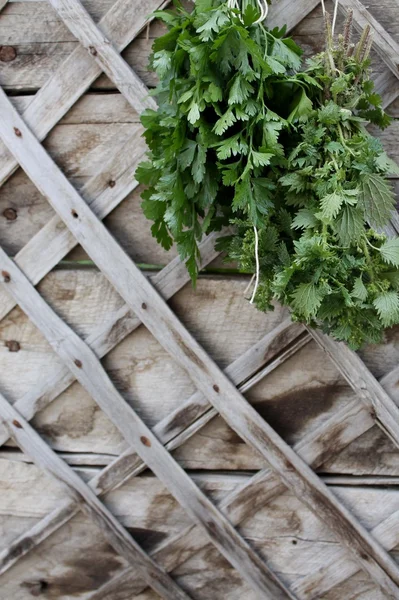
<point x="329" y="259"/>
<point x="244" y="135"/>
<point x="223" y="83"/>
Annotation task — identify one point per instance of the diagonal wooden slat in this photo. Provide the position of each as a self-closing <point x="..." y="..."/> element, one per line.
<point x="88" y="370"/>
<point x="79" y="22"/>
<point x="105" y="336"/>
<point x="3" y="3"/>
<point x="53" y="242"/>
<point x="362" y="382"/>
<point x="120" y="24"/>
<point x="160" y="320"/>
<point x="44" y="457"/>
<point x="172" y="431"/>
<point x="384" y="44"/>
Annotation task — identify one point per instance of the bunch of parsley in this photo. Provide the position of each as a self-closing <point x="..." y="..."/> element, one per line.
<point x="330" y="260"/>
<point x="224" y="84"/>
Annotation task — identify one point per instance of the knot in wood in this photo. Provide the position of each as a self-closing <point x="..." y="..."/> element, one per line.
<point x="6" y="276"/>
<point x="10" y="214"/>
<point x="7" y="53"/>
<point x="13" y="346"/>
<point x="145" y="441"/>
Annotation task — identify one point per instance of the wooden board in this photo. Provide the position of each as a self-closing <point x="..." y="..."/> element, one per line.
<point x="292" y="539"/>
<point x="297" y="397"/>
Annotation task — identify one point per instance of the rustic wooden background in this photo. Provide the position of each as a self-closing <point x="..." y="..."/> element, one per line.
<point x="80" y="516"/>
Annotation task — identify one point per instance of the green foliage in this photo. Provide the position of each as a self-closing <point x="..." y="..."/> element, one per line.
<point x="244" y="137"/>
<point x="216" y="129"/>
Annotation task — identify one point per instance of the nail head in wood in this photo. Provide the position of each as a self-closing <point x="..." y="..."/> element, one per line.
<point x="6" y="276"/>
<point x="10" y="214"/>
<point x="78" y="363"/>
<point x="144" y="306"/>
<point x="17" y="132"/>
<point x="216" y="388"/>
<point x="111" y="183"/>
<point x="7" y="53"/>
<point x="13" y="346"/>
<point x="17" y="424"/>
<point x="74" y="214"/>
<point x="92" y="51"/>
<point x="145" y="441"/>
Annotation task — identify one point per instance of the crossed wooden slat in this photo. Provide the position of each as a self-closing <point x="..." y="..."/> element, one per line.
<point x="302" y="15"/>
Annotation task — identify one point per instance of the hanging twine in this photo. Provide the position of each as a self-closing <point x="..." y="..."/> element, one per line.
<point x="262" y="5"/>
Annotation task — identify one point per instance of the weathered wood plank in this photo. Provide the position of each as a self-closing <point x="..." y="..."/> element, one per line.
<point x="172" y="431"/>
<point x="123" y="21"/>
<point x="78" y="20"/>
<point x="32" y="444"/>
<point x="137" y="292"/>
<point x="296" y="541"/>
<point x="84" y="364"/>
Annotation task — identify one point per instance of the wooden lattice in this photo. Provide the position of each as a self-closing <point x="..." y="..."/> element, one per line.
<point x="79" y="221"/>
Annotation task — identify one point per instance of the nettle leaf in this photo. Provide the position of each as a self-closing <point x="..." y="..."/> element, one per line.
<point x="377" y="199"/>
<point x="331" y="205"/>
<point x="359" y="290"/>
<point x="387" y="305"/>
<point x="386" y="164"/>
<point x="390" y="251"/>
<point x="305" y="218"/>
<point x="307" y="299"/>
<point x="349" y="225"/>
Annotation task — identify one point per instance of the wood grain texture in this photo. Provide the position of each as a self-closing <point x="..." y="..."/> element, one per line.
<point x="75" y="74"/>
<point x="32" y="444"/>
<point x="137" y="292"/>
<point x="172" y="431"/>
<point x="78" y="20"/>
<point x="84" y="364"/>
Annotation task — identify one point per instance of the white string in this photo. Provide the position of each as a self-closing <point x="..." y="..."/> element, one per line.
<point x="335" y="16"/>
<point x="257" y="265"/>
<point x="262" y="4"/>
<point x="323" y="7"/>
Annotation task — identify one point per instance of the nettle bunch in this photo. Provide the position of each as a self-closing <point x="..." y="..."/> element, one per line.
<point x="246" y="136"/>
<point x="223" y="79"/>
<point x="330" y="261"/>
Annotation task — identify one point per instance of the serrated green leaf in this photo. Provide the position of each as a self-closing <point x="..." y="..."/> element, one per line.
<point x="225" y="121"/>
<point x="386" y="164"/>
<point x="331" y="205"/>
<point x="304" y="219"/>
<point x="390" y="251"/>
<point x="349" y="225"/>
<point x="359" y="290"/>
<point x="261" y="159"/>
<point x="307" y="299"/>
<point x="194" y="113"/>
<point x="387" y="306"/>
<point x="377" y="199"/>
